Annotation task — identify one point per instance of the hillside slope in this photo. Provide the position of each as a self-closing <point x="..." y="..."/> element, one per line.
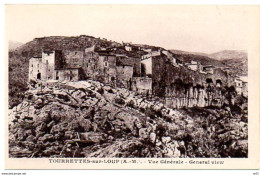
<point x="228" y="54"/>
<point x="88" y="119"/>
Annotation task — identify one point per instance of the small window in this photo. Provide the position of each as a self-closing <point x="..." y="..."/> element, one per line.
<point x="57" y="75"/>
<point x="75" y="53"/>
<point x="32" y="65"/>
<point x="38" y="65"/>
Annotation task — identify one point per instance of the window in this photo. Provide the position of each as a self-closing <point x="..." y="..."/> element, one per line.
<point x="38" y="65"/>
<point x="39" y="76"/>
<point x="57" y="75"/>
<point x="105" y="64"/>
<point x="32" y="65"/>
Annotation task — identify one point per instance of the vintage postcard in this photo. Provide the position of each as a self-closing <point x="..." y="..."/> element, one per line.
<point x="132" y="86"/>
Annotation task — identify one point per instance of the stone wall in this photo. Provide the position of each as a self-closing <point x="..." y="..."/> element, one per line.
<point x="67" y="75"/>
<point x="142" y="85"/>
<point x="124" y="76"/>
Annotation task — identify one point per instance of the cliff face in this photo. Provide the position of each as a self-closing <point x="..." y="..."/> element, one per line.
<point x="89" y="119"/>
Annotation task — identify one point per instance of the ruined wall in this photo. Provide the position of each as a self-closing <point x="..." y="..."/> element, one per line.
<point x="142" y="85"/>
<point x="124" y="75"/>
<point x="67" y="75"/>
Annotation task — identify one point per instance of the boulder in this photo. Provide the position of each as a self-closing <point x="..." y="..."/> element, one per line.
<point x="92" y="137"/>
<point x="143" y="133"/>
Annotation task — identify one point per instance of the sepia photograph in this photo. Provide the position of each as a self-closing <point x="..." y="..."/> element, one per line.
<point x="128" y="81"/>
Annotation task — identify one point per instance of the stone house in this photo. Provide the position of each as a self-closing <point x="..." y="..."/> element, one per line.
<point x="209" y="69"/>
<point x="74" y="58"/>
<point x="90" y="62"/>
<point x="42" y="68"/>
<point x="241" y="85"/>
<point x="193" y="67"/>
<point x="106" y="67"/>
<point x="128" y="48"/>
<point x="131" y="61"/>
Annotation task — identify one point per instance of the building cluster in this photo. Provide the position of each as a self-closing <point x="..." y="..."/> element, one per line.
<point x="117" y="66"/>
<point x="141" y="69"/>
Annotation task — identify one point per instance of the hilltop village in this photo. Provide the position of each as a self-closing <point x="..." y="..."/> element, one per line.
<point x="149" y="71"/>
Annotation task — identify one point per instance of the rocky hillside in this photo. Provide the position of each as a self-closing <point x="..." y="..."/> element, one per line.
<point x="89" y="119"/>
<point x="239" y="66"/>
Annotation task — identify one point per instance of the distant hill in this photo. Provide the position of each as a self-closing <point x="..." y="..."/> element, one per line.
<point x="228" y="54"/>
<point x="236" y="60"/>
<point x="187" y="52"/>
<point x="196" y="56"/>
<point x="14" y="45"/>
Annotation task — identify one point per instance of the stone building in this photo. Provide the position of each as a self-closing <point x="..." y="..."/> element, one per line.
<point x="106" y="67"/>
<point x="42" y="68"/>
<point x="90" y="62"/>
<point x="241" y="85"/>
<point x="208" y="69"/>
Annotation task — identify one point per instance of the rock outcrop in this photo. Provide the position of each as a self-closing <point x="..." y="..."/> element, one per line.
<point x="90" y="119"/>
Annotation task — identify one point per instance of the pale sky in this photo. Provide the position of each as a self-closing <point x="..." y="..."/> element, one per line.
<point x="191" y="28"/>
